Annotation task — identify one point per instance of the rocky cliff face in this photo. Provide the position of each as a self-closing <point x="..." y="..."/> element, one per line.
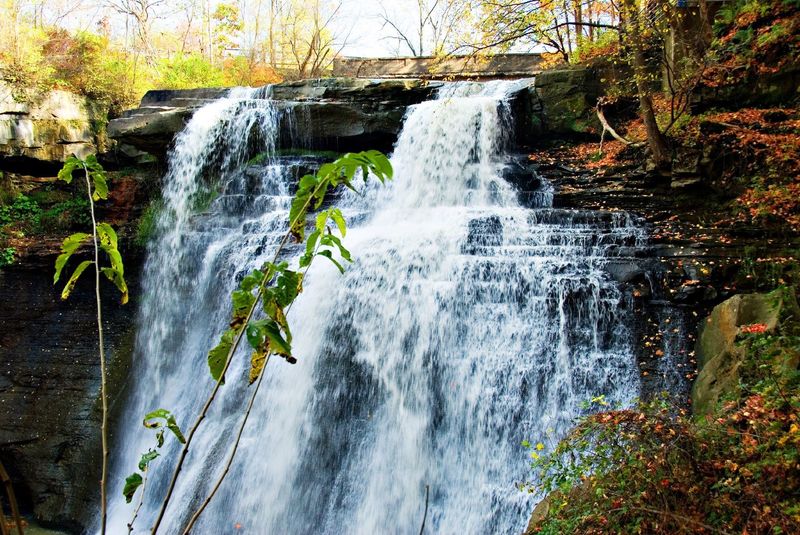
<point x="50" y="127"/>
<point x="326" y="114"/>
<point x="342" y="114"/>
<point x="49" y="388"/>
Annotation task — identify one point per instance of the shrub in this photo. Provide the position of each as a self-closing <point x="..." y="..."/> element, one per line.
<point x="7" y="256"/>
<point x="188" y="71"/>
<point x="653" y="469"/>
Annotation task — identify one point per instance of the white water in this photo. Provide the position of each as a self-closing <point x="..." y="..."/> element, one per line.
<point x="467" y="324"/>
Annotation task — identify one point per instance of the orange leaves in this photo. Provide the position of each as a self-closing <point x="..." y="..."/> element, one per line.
<point x="753" y="328"/>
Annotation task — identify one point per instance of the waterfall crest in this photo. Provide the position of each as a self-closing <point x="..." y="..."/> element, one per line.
<point x="468" y="323"/>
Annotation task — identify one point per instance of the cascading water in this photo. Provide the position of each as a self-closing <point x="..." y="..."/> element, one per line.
<point x="467" y="323"/>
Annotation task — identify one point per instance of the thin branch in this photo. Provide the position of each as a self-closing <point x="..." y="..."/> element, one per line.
<point x="425" y="514"/>
<point x="607" y="128"/>
<point x="103" y="398"/>
<point x="139" y="505"/>
<point x="218" y="384"/>
<point x="12" y="500"/>
<point x="229" y="462"/>
<point x="242" y="426"/>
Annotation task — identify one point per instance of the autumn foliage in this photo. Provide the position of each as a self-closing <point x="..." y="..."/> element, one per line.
<point x="654" y="469"/>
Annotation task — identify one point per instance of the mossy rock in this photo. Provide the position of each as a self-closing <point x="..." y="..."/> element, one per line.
<point x="718" y="354"/>
<point x="568" y="98"/>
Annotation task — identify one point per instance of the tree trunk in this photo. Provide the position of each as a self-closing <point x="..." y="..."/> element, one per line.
<point x="655" y="139"/>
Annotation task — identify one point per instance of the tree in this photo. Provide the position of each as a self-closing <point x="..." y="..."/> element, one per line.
<point x="559" y="25"/>
<point x="227" y="25"/>
<point x="562" y="25"/>
<point x="436" y="27"/>
<point x="308" y="38"/>
<point x="633" y="27"/>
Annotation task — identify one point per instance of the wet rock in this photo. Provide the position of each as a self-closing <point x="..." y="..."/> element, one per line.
<point x="624" y="271"/>
<point x="49" y="386"/>
<point x="483" y="232"/>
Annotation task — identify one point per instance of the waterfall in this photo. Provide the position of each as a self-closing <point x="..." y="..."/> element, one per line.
<point x="469" y="322"/>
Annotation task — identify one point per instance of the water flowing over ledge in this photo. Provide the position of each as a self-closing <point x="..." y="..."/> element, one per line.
<point x="468" y="322"/>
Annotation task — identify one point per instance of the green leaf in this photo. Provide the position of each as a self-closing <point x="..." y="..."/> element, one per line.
<point x="322" y="218"/>
<point x="146" y="458"/>
<point x="252" y="280"/>
<point x="381" y="164"/>
<point x="276" y="340"/>
<point x="307" y="182"/>
<point x="100" y="185"/>
<point x="115" y="258"/>
<point x="333" y="241"/>
<point x="327" y="254"/>
<point x="288" y="286"/>
<point x="71" y="243"/>
<point x="311" y="242"/>
<point x="74" y="278"/>
<point x="132" y="482"/>
<point x="70" y="165"/>
<point x="242" y="301"/>
<point x="336" y="215"/>
<point x="119" y="281"/>
<point x="256" y="334"/>
<point x="92" y="163"/>
<point x="218" y="356"/>
<point x="151" y="421"/>
<point x="107" y="235"/>
<point x="69" y="246"/>
<point x="329" y="169"/>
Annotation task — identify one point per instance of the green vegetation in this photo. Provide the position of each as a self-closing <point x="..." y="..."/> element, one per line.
<point x="146" y="226"/>
<point x="137" y="46"/>
<point x="654" y="469"/>
<point x="7" y="256"/>
<point x="26" y="215"/>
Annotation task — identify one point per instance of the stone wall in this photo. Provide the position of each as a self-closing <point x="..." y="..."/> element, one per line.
<point x="459" y="67"/>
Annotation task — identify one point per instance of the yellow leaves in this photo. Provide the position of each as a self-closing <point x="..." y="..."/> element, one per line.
<point x="257" y="361"/>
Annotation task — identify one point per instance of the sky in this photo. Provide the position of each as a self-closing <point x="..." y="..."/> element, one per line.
<point x="359" y="20"/>
<point x="367" y="37"/>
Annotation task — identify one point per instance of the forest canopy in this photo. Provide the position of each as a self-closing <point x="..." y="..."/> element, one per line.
<point x="115" y="50"/>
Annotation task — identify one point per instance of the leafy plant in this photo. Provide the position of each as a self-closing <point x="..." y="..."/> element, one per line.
<point x="160" y="420"/>
<point x="22" y="210"/>
<point x="7" y="256"/>
<point x="102" y="237"/>
<point x="261" y="303"/>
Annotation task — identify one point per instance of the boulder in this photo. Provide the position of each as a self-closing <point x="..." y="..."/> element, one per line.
<point x="719" y="357"/>
<point x="567" y="97"/>
<point x="50" y="127"/>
